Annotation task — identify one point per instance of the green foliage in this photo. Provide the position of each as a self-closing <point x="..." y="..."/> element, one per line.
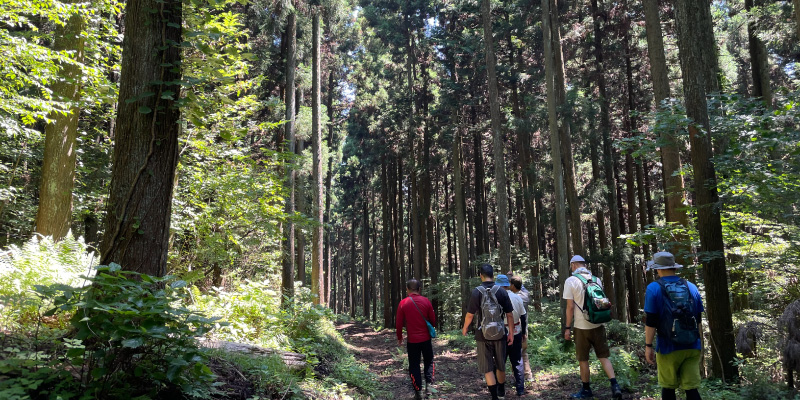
<point x="40" y="261"/>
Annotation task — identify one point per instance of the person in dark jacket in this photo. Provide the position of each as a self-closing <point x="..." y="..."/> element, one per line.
<point x="412" y="313"/>
<point x="491" y="353"/>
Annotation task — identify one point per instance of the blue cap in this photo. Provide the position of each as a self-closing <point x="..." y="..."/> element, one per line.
<point x="501" y="280"/>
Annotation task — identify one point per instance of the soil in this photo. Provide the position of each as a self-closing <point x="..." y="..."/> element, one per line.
<point x="456" y="375"/>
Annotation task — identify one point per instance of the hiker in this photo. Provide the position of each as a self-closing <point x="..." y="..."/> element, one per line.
<point x="672" y="306"/>
<point x="415" y="312"/>
<point x="526" y="300"/>
<point x="494" y="309"/>
<point x="520" y="329"/>
<point x="587" y="334"/>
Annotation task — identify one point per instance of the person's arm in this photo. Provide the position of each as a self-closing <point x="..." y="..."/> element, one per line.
<point x="649" y="337"/>
<point x="510" y="322"/>
<point x="467" y="321"/>
<point x="523" y="319"/>
<point x="570" y="314"/>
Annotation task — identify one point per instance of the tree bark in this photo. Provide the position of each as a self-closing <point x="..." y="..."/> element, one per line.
<point x="498" y="144"/>
<point x="287" y="277"/>
<point x="695" y="38"/>
<point x="461" y="234"/>
<point x="552" y="45"/>
<point x="796" y="4"/>
<point x="759" y="61"/>
<point x="385" y="248"/>
<point x="317" y="277"/>
<point x="620" y="288"/>
<point x="365" y="278"/>
<point x="61" y="136"/>
<point x="146" y="146"/>
<point x="328" y="182"/>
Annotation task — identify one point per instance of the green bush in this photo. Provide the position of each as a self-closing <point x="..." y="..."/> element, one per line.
<point x="40" y="261"/>
<point x="131" y="337"/>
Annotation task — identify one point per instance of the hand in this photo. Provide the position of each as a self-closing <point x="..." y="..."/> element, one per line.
<point x="510" y="338"/>
<point x="650" y="355"/>
<point x="567" y="335"/>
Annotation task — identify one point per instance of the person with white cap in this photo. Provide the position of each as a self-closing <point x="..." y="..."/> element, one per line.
<point x="673" y="306"/>
<point x="587" y="335"/>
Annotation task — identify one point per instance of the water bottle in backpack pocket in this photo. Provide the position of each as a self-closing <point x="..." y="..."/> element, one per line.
<point x="679" y="323"/>
<point x="492" y="315"/>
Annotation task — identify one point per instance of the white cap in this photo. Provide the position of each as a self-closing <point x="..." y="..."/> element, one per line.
<point x="577" y="259"/>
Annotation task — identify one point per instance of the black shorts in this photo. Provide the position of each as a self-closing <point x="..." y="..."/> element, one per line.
<point x="491" y="355"/>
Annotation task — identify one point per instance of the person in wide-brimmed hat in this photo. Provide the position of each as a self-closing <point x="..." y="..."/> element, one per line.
<point x="673" y="306"/>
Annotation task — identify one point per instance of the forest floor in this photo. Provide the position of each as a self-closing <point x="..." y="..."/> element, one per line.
<point x="456" y="369"/>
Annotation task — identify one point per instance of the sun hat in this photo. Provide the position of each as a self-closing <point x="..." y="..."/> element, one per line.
<point x="577" y="258"/>
<point x="663" y="260"/>
<point x="501" y="280"/>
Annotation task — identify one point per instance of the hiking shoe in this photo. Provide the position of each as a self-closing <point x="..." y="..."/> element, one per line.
<point x="616" y="391"/>
<point x="417" y="395"/>
<point x="582" y="394"/>
<point x="521" y="393"/>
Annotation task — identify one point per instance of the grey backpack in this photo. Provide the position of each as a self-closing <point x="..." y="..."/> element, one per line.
<point x="492" y="315"/>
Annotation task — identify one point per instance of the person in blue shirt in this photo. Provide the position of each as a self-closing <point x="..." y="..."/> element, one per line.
<point x="678" y="364"/>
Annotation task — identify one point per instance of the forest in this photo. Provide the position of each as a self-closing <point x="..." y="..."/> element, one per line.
<point x="225" y="198"/>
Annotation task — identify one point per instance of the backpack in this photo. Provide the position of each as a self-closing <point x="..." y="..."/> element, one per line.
<point x="679" y="323"/>
<point x="492" y="315"/>
<point x="595" y="303"/>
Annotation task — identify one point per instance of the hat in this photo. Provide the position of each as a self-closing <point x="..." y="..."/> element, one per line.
<point x="501" y="280"/>
<point x="577" y="258"/>
<point x="663" y="260"/>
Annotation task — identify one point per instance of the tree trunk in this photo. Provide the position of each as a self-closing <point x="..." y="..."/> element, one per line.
<point x="620" y="288"/>
<point x="552" y="45"/>
<point x="328" y="182"/>
<point x="796" y="4"/>
<point x="691" y="18"/>
<point x="461" y="234"/>
<point x="61" y="136"/>
<point x="365" y="278"/>
<point x="146" y="146"/>
<point x="481" y="221"/>
<point x="317" y="277"/>
<point x="675" y="204"/>
<point x="759" y="61"/>
<point x="302" y="209"/>
<point x="287" y="277"/>
<point x="353" y="283"/>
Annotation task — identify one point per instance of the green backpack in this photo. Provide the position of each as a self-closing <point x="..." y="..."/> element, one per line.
<point x="595" y="303"/>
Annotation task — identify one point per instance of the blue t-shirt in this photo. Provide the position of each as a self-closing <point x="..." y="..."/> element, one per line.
<point x="654" y="304"/>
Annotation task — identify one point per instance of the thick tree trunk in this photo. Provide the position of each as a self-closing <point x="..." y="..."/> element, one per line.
<point x="695" y="38"/>
<point x="146" y="146"/>
<point x="674" y="192"/>
<point x="61" y="136"/>
<point x="287" y="276"/>
<point x="302" y="209"/>
<point x="759" y="62"/>
<point x="552" y="45"/>
<point x="620" y="288"/>
<point x="481" y="220"/>
<point x="796" y="4"/>
<point x="498" y="144"/>
<point x="353" y="282"/>
<point x="328" y="182"/>
<point x="385" y="247"/>
<point x="317" y="276"/>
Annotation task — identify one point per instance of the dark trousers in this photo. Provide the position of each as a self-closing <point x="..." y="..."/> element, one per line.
<point x="517" y="366"/>
<point x="416" y="351"/>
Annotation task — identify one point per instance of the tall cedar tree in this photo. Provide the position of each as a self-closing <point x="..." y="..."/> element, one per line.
<point x="287" y="276"/>
<point x="61" y="136"/>
<point x="552" y="45"/>
<point x="759" y="62"/>
<point x="695" y="38"/>
<point x="146" y="143"/>
<point x="498" y="144"/>
<point x="317" y="277"/>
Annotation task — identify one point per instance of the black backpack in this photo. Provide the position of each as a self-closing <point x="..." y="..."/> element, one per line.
<point x="679" y="324"/>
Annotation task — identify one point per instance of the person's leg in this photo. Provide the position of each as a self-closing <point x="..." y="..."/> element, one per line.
<point x="584" y="366"/>
<point x="486" y="366"/>
<point x="667" y="375"/>
<point x="427" y="356"/>
<point x="414" y="353"/>
<point x="515" y="354"/>
<point x="689" y="372"/>
<point x="501" y="349"/>
<point x="582" y="347"/>
<point x="668" y="394"/>
<point x="607" y="367"/>
<point x="526" y="361"/>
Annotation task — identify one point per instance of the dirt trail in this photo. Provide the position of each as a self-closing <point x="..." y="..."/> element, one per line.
<point x="456" y="371"/>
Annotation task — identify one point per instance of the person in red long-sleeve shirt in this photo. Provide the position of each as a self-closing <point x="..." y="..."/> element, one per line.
<point x="412" y="313"/>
